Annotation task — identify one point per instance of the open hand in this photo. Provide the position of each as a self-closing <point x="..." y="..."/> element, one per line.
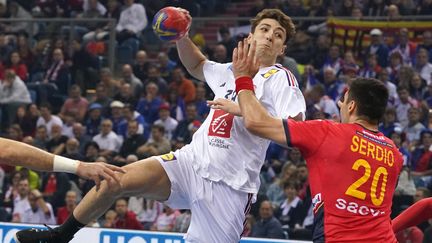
<point x="97" y="171"/>
<point x="225" y="105"/>
<point x="245" y="61"/>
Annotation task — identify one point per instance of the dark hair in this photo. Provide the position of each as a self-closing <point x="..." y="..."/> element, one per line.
<point x="371" y="97"/>
<point x="284" y="20"/>
<point x="291" y="184"/>
<point x="46" y="105"/>
<point x="93" y="144"/>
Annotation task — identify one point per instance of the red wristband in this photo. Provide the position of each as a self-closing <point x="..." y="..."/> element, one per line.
<point x="244" y="82"/>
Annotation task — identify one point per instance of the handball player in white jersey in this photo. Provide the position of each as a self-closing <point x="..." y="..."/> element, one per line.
<point x="217" y="174"/>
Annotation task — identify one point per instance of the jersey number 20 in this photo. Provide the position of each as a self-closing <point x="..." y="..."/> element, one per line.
<point x="354" y="191"/>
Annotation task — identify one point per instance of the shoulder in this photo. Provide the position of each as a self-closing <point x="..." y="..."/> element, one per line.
<point x="280" y="74"/>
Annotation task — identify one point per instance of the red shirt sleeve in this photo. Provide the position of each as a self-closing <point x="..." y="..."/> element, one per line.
<point x="414" y="215"/>
<point x="306" y="135"/>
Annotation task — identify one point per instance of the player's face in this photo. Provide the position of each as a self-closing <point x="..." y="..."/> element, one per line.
<point x="270" y="37"/>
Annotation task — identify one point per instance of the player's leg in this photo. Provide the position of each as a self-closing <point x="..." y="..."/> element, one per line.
<point x="146" y="177"/>
<point x="218" y="213"/>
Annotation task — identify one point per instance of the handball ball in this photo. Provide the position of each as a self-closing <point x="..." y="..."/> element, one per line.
<point x="170" y="24"/>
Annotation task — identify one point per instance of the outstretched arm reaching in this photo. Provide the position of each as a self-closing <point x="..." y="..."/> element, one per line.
<point x="414" y="215"/>
<point x="256" y="118"/>
<point x="16" y="153"/>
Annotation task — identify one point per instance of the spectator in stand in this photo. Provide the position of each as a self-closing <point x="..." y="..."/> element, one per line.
<point x="91" y="151"/>
<point x="129" y="77"/>
<point x="227" y="40"/>
<point x="21" y="203"/>
<point x="47" y="119"/>
<point x="117" y="117"/>
<point x="333" y="60"/>
<point x="389" y="124"/>
<point x="289" y="211"/>
<point x="184" y="86"/>
<point x="41" y="137"/>
<point x="422" y="155"/>
<point x="425" y="8"/>
<point x="72" y="151"/>
<point x="84" y="65"/>
<point x="108" y="141"/>
<point x="94" y="119"/>
<point x="146" y="210"/>
<point x="109" y="219"/>
<point x="157" y="144"/>
<point x="423" y="66"/>
<point x="377" y="47"/>
<point x="177" y="105"/>
<point x="14" y="63"/>
<point x="10" y="192"/>
<point x="57" y="73"/>
<point x="414" y="127"/>
<point x="166" y="66"/>
<point x="166" y="220"/>
<point x="165" y="120"/>
<point x="371" y="68"/>
<point x="405" y="47"/>
<point x="13" y="93"/>
<point x="133" y="20"/>
<point x="396" y="62"/>
<point x="182" y="133"/>
<point x="25" y="51"/>
<point x="220" y="54"/>
<point x="267" y="226"/>
<point x="83" y="139"/>
<point x="201" y="101"/>
<point x="103" y="98"/>
<point x="57" y="143"/>
<point x="64" y="212"/>
<point x="131" y="143"/>
<point x="148" y="106"/>
<point x="275" y="192"/>
<point x="76" y="105"/>
<point x="5" y="48"/>
<point x="54" y="188"/>
<point x="112" y="86"/>
<point x="140" y="68"/>
<point x="383" y="76"/>
<point x="40" y="212"/>
<point x="403" y="104"/>
<point x="126" y="95"/>
<point x="28" y="121"/>
<point x="427" y="42"/>
<point x="125" y="219"/>
<point x="154" y="76"/>
<point x="131" y="114"/>
<point x="417" y="87"/>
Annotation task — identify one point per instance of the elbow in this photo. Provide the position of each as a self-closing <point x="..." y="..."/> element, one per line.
<point x="252" y="125"/>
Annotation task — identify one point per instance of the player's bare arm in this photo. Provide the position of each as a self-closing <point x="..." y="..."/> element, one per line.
<point x="17" y="153"/>
<point x="256" y="118"/>
<point x="190" y="55"/>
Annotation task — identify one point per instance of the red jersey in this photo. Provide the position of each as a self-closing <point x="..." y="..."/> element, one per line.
<point x="352" y="173"/>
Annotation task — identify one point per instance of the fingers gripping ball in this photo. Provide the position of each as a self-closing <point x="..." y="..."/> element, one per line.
<point x="170" y="24"/>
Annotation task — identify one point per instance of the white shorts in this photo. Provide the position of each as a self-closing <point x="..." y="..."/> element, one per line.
<point x="218" y="211"/>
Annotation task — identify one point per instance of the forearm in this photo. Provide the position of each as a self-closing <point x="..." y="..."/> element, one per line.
<point x="191" y="57"/>
<point x="17" y="153"/>
<point x="414" y="215"/>
<point x="254" y="114"/>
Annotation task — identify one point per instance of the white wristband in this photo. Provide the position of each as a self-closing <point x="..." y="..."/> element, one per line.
<point x="62" y="164"/>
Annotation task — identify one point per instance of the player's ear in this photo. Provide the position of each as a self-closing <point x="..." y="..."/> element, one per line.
<point x="249" y="38"/>
<point x="352" y="106"/>
<point x="283" y="50"/>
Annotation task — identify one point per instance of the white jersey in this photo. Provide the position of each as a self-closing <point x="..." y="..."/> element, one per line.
<point x="222" y="147"/>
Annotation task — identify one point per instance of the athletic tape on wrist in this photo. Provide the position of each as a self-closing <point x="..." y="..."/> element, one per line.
<point x="62" y="164"/>
<point x="244" y="83"/>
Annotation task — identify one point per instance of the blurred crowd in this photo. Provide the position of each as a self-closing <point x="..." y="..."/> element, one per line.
<point x="58" y="94"/>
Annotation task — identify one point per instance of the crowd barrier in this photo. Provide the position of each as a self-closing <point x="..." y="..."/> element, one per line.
<point x="101" y="235"/>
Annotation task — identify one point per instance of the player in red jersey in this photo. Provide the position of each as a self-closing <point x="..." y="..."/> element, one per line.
<point x="353" y="168"/>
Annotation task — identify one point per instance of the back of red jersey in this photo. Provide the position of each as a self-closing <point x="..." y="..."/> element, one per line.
<point x="353" y="173"/>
